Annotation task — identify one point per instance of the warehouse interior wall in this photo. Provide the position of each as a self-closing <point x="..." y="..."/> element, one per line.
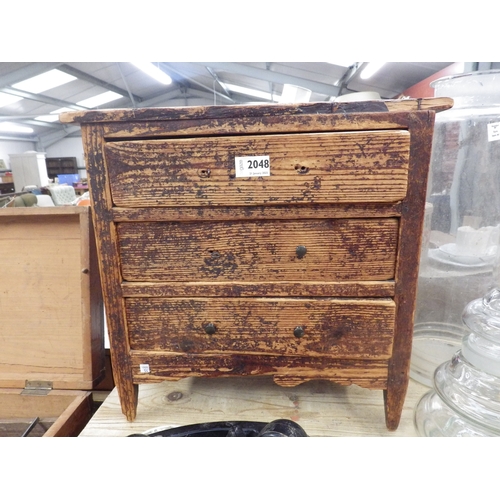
<point x="13" y="147"/>
<point x="71" y="146"/>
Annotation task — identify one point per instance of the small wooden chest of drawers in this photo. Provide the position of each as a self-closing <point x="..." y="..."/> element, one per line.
<point x="306" y="270"/>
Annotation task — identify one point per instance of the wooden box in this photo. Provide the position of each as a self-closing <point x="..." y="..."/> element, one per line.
<point x="304" y="271"/>
<point x="51" y="317"/>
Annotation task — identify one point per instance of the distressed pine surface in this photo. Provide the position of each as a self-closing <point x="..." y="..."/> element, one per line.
<point x="124" y="148"/>
<point x="311" y="110"/>
<point x="306" y="168"/>
<point x="412" y="221"/>
<point x="287" y="371"/>
<point x="322" y="408"/>
<point x="109" y="265"/>
<point x="258" y="289"/>
<point x="337" y="249"/>
<point x="263" y="212"/>
<point x="338" y="328"/>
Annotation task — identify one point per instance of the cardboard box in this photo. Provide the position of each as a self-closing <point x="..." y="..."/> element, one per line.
<point x="6" y="179"/>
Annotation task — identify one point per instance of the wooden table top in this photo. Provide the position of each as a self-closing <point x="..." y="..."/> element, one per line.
<point x="322" y="408"/>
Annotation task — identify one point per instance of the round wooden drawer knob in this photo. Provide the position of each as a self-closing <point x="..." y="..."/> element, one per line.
<point x="301" y="250"/>
<point x="298" y="331"/>
<point x="210" y="328"/>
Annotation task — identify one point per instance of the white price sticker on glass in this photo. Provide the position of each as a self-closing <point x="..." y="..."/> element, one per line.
<point x="252" y="166"/>
<point x="494" y="131"/>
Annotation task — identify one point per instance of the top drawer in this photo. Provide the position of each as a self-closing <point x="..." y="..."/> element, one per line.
<point x="330" y="167"/>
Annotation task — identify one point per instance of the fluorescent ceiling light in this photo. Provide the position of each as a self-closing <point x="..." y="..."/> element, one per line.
<point x="13" y="127"/>
<point x="6" y="99"/>
<point x="47" y="118"/>
<point x="294" y="94"/>
<point x="154" y="72"/>
<point x="344" y="64"/>
<point x="53" y="116"/>
<point x="251" y="92"/>
<point x="370" y="70"/>
<point x="44" y="81"/>
<point x="100" y="99"/>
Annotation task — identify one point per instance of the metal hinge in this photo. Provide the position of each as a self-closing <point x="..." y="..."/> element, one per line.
<point x="37" y="387"/>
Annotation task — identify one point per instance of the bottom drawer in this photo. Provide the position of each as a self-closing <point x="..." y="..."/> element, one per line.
<point x="337" y="328"/>
<point x="60" y="413"/>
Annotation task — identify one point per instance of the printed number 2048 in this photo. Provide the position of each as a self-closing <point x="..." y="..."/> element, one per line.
<point x="258" y="164"/>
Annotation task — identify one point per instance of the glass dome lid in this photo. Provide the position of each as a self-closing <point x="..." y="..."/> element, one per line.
<point x="466" y="396"/>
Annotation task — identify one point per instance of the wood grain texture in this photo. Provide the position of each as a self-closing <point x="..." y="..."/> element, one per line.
<point x="229" y="112"/>
<point x="336" y="249"/>
<point x="408" y="264"/>
<point x="262" y="212"/>
<point x="73" y="419"/>
<point x="14" y="404"/>
<point x="288" y="371"/>
<point x="50" y="300"/>
<point x="304" y="168"/>
<point x="257" y="289"/>
<point x="201" y="127"/>
<point x="107" y="248"/>
<point x="68" y="411"/>
<point x="322" y="408"/>
<point x="170" y="211"/>
<point x="335" y="328"/>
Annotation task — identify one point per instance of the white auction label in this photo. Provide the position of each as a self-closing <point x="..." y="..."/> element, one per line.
<point x="252" y="166"/>
<point x="494" y="131"/>
<point x="144" y="368"/>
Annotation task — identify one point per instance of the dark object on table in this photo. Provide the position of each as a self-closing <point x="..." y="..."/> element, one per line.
<point x="276" y="428"/>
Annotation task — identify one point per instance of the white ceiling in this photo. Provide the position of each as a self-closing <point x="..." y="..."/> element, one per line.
<point x="193" y="84"/>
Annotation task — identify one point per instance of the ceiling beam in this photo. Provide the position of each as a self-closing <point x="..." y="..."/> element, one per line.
<point x="29" y="138"/>
<point x="50" y="138"/>
<point x="81" y="75"/>
<point x="40" y="123"/>
<point x="42" y="98"/>
<point x="195" y="83"/>
<point x="216" y="79"/>
<point x="274" y="76"/>
<point x="166" y="99"/>
<point x="160" y="98"/>
<point x="37" y="68"/>
<point x="8" y="118"/>
<point x="351" y="72"/>
<point x="29" y="120"/>
<point x="26" y="72"/>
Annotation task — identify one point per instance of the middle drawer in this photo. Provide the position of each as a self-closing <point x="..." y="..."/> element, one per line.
<point x="268" y="250"/>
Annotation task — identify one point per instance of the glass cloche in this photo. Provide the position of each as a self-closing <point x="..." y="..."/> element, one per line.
<point x="460" y="249"/>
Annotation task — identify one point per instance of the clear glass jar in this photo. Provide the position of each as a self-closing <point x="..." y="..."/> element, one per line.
<point x="465" y="401"/>
<point x="460" y="249"/>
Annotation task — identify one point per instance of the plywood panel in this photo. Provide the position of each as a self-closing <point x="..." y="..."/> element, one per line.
<point x="50" y="326"/>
